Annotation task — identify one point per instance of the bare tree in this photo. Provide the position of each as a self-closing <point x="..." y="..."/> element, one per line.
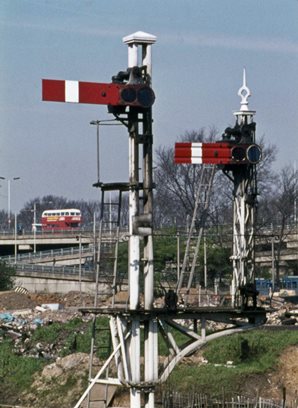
<point x="267" y="180"/>
<point x="176" y="185"/>
<point x="266" y="176"/>
<point x="280" y="208"/>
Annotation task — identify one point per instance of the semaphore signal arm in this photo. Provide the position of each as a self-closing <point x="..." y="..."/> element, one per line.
<point x="128" y="88"/>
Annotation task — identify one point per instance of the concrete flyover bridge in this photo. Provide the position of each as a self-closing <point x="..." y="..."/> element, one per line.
<point x="60" y="256"/>
<point x="14" y="243"/>
<point x="31" y="241"/>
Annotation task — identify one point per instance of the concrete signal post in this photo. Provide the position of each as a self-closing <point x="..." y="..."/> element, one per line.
<point x="140" y="225"/>
<point x="129" y="98"/>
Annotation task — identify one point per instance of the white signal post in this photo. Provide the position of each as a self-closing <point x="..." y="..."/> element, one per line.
<point x="34" y="227"/>
<point x="145" y="41"/>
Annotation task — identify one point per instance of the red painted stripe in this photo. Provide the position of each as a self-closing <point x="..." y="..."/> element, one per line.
<point x="213" y="145"/>
<point x="216" y="152"/>
<point x="214" y="160"/>
<point x="99" y="93"/>
<point x="183" y="152"/>
<point x="182" y="160"/>
<point x="206" y="160"/>
<point x="53" y="90"/>
<point x="179" y="145"/>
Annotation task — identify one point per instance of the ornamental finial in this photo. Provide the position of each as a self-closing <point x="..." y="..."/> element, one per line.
<point x="244" y="93"/>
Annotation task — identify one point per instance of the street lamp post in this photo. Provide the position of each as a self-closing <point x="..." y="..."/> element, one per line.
<point x="8" y="195"/>
<point x="15" y="239"/>
<point x="205" y="262"/>
<point x="80" y="267"/>
<point x="34" y="228"/>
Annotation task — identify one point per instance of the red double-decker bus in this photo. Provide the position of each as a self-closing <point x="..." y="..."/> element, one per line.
<point x="59" y="220"/>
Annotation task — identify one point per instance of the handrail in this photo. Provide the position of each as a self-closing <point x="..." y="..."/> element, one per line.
<point x="52" y="253"/>
<point x="55" y="270"/>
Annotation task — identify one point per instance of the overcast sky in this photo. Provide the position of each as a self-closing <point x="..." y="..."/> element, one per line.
<point x="201" y="49"/>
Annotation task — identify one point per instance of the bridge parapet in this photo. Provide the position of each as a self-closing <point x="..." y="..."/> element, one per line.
<point x="51" y="255"/>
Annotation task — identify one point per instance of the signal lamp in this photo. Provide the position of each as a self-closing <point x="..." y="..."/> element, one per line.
<point x="246" y="153"/>
<point x="253" y="154"/>
<point x="139" y="96"/>
<point x="128" y="95"/>
<point x="238" y="153"/>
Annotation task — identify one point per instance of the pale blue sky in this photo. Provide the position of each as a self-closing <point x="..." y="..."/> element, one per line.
<point x="202" y="47"/>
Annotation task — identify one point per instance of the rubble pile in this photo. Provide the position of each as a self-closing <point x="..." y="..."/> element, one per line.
<point x="286" y="315"/>
<point x="19" y="326"/>
<point x="22" y="314"/>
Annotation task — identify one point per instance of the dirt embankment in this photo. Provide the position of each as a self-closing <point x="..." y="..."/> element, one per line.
<point x="285" y="377"/>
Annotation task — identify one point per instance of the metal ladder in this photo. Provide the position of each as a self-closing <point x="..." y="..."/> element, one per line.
<point x="199" y="216"/>
<point x="108" y="239"/>
<point x="99" y="394"/>
<point x="106" y="269"/>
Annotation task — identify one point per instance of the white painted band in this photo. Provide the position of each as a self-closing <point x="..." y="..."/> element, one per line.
<point x="196" y="151"/>
<point x="72" y="91"/>
<point x="196" y="160"/>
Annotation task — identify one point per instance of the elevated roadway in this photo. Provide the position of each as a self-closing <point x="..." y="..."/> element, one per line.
<point x="14" y="243"/>
<point x="60" y="256"/>
<point x="29" y="240"/>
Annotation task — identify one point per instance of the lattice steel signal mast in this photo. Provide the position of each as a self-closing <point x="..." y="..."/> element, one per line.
<point x="245" y="194"/>
<point x="237" y="154"/>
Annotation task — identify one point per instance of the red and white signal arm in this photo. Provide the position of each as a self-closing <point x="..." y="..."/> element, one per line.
<point x="216" y="153"/>
<point x="115" y="94"/>
<point x="199" y="153"/>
